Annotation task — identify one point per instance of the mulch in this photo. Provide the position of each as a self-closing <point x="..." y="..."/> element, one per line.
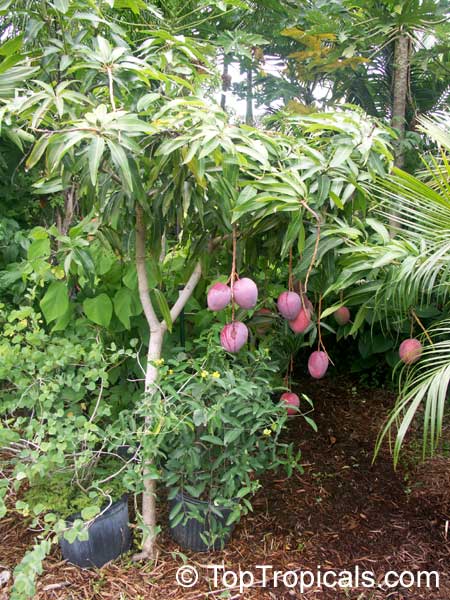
<point x="342" y="512"/>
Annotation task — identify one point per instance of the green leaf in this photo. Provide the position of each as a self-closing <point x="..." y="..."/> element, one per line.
<point x="232" y="435"/>
<point x="213" y="439"/>
<point x="55" y="301"/>
<point x="39" y="249"/>
<point x="95" y="153"/>
<point x="62" y="322"/>
<point x="340" y="156"/>
<point x="89" y="512"/>
<point x="164" y="308"/>
<point x="123" y="306"/>
<point x="119" y="158"/>
<point x="99" y="309"/>
<point x="61" y="6"/>
<point x="37" y="152"/>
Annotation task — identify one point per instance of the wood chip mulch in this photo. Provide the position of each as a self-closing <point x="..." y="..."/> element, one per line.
<point x="341" y="513"/>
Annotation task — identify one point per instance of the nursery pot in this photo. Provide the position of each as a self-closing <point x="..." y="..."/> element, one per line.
<point x="109" y="537"/>
<point x="188" y="535"/>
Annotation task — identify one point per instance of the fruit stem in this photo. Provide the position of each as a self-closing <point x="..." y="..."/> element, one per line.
<point x="290" y="283"/>
<point x="316" y="245"/>
<point x="233" y="274"/>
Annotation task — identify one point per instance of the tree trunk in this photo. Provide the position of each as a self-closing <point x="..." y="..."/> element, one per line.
<point x="226" y="80"/>
<point x="249" y="112"/>
<point x="157" y="330"/>
<point x="399" y="100"/>
<point x="400" y="94"/>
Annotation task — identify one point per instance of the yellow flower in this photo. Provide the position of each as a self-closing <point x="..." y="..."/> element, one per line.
<point x="216" y="375"/>
<point x="267" y="432"/>
<point x="170" y="372"/>
<point x="158" y="362"/>
<point x="204" y="374"/>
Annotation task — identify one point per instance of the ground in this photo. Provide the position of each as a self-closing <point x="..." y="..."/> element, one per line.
<point x="342" y="512"/>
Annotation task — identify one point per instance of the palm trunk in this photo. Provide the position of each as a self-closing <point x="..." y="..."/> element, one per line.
<point x="400" y="94"/>
<point x="399" y="100"/>
<point x="249" y="112"/>
<point x="225" y="82"/>
<point x="157" y="330"/>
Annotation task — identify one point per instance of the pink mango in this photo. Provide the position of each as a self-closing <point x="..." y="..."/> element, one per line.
<point x="342" y="315"/>
<point x="233" y="336"/>
<point x="245" y="293"/>
<point x="292" y="402"/>
<point x="410" y="351"/>
<point x="289" y="304"/>
<point x="318" y="364"/>
<point x="219" y="296"/>
<point x="301" y="323"/>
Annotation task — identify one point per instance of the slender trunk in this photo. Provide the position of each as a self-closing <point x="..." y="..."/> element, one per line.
<point x="151" y="374"/>
<point x="400" y="94"/>
<point x="399" y="100"/>
<point x="226" y="80"/>
<point x="157" y="330"/>
<point x="64" y="217"/>
<point x="249" y="112"/>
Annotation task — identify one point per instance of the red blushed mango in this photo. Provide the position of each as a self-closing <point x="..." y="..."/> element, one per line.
<point x="289" y="305"/>
<point x="342" y="315"/>
<point x="233" y="336"/>
<point x="219" y="296"/>
<point x="292" y="402"/>
<point x="410" y="351"/>
<point x="245" y="293"/>
<point x="301" y="323"/>
<point x="318" y="364"/>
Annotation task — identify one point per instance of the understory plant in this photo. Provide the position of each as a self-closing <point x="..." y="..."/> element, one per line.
<point x="227" y="430"/>
<point x="58" y="438"/>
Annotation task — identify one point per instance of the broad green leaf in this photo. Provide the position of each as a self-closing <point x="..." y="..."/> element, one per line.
<point x="39" y="249"/>
<point x="55" y="301"/>
<point x="89" y="512"/>
<point x="99" y="309"/>
<point x="123" y="306"/>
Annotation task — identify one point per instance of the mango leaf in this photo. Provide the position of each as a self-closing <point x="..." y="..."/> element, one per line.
<point x="55" y="301"/>
<point x="95" y="153"/>
<point x="61" y="6"/>
<point x="99" y="309"/>
<point x="164" y="308"/>
<point x="37" y="152"/>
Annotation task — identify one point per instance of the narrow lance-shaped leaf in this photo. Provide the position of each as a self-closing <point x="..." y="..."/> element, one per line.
<point x="95" y="153"/>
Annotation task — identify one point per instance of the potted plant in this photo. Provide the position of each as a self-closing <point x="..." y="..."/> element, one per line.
<point x="91" y="507"/>
<point x="226" y="434"/>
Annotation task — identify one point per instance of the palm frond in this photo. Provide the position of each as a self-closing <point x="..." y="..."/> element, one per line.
<point x="425" y="384"/>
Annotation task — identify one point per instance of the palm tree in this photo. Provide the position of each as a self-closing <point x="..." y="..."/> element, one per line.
<point x="401" y="280"/>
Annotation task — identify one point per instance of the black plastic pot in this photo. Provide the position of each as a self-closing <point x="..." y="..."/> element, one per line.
<point x="188" y="534"/>
<point x="109" y="537"/>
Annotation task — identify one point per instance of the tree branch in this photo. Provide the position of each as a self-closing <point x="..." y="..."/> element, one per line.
<point x="144" y="293"/>
<point x="186" y="292"/>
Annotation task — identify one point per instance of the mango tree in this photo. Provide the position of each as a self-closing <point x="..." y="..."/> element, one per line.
<point x="116" y="136"/>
